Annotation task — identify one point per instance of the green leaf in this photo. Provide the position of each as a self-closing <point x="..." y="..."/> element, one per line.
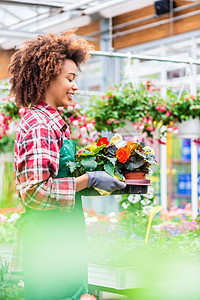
<point x="73" y="165"/>
<point x="96" y="150"/>
<point x="89" y="163"/>
<point x="109" y="168"/>
<point x="112" y="160"/>
<point x="89" y="153"/>
<point x="134" y="165"/>
<point x="117" y="172"/>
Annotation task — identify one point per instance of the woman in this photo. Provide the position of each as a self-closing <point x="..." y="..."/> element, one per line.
<point x="54" y="244"/>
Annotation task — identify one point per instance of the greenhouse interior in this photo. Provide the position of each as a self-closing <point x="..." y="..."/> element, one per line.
<point x="99" y="149"/>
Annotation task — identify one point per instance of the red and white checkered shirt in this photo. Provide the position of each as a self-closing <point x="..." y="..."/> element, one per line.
<point x="37" y="150"/>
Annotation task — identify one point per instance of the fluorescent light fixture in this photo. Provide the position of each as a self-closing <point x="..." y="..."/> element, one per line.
<point x="123" y="8"/>
<point x="17" y="34"/>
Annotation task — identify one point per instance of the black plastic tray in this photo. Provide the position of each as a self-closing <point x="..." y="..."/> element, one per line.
<point x="129" y="189"/>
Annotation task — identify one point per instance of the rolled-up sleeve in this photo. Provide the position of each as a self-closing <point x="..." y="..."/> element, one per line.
<point x="36" y="168"/>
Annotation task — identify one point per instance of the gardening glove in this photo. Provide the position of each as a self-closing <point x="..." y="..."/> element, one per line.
<point x="103" y="181"/>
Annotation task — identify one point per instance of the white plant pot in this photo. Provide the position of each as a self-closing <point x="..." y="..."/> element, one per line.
<point x="189" y="129"/>
<point x="129" y="129"/>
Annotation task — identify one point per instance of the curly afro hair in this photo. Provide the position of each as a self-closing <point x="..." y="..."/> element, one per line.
<point x="40" y="61"/>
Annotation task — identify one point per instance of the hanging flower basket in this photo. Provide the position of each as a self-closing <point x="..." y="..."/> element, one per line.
<point x="189" y="129"/>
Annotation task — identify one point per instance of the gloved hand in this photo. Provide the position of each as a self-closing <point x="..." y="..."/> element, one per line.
<point x="103" y="181"/>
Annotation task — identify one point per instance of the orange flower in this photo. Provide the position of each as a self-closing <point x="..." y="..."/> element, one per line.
<point x="130" y="145"/>
<point x="123" y="154"/>
<point x="103" y="141"/>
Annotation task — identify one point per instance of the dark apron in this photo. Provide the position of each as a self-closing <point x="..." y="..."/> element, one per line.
<point x="54" y="247"/>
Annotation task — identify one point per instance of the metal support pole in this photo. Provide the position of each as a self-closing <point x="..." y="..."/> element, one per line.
<point x="194" y="178"/>
<point x="194" y="151"/>
<point x="189" y="60"/>
<point x="163" y="171"/>
<point x="163" y="148"/>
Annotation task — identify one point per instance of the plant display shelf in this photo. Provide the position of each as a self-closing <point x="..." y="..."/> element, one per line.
<point x="140" y="281"/>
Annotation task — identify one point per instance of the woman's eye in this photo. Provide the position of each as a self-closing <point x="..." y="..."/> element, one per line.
<point x="70" y="80"/>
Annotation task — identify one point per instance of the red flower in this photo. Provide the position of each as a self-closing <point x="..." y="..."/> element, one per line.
<point x="103" y="141"/>
<point x="123" y="154"/>
<point x="80" y="151"/>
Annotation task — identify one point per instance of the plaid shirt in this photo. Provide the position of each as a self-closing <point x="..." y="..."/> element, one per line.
<point x="38" y="142"/>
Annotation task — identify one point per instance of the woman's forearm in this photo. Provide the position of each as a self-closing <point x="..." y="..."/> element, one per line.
<point x="82" y="182"/>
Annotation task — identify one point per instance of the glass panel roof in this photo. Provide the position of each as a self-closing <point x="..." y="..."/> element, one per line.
<point x="18" y="18"/>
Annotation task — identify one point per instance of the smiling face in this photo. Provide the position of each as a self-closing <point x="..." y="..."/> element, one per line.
<point x="63" y="87"/>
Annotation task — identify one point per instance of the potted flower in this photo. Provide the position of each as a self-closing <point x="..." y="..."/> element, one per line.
<point x="118" y="158"/>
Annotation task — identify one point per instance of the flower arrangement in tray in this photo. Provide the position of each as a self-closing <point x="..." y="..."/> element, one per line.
<point x="117" y="157"/>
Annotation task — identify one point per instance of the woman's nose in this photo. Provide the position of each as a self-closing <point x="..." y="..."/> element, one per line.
<point x="75" y="86"/>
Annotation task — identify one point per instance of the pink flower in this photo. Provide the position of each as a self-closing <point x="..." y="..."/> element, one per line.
<point x="152" y="88"/>
<point x="162" y="109"/>
<point x="150" y="129"/>
<point x="158" y="107"/>
<point x="80" y="151"/>
<point x="149" y="121"/>
<point x="167" y="114"/>
<point x="77" y="106"/>
<point x="83" y="131"/>
<point x="75" y="123"/>
<point x="90" y="126"/>
<point x="61" y="109"/>
<point x="161" y="142"/>
<point x="21" y="111"/>
<point x="144" y="120"/>
<point x="70" y="108"/>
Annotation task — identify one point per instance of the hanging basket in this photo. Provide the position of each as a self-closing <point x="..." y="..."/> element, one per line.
<point x="129" y="129"/>
<point x="189" y="129"/>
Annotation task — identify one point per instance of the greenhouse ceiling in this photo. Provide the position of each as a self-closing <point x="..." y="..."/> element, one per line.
<point x="21" y="20"/>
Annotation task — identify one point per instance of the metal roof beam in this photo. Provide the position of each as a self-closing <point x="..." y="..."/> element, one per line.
<point x="12" y="14"/>
<point x="17" y="34"/>
<point x="78" y="4"/>
<point x="97" y="8"/>
<point x="33" y="3"/>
